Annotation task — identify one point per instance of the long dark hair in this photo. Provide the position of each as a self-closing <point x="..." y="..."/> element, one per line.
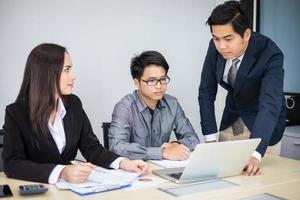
<point x="41" y="83"/>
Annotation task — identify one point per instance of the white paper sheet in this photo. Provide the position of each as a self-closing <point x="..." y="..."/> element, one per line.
<point x="169" y="163"/>
<point x="99" y="180"/>
<point x="145" y="182"/>
<point x="112" y="176"/>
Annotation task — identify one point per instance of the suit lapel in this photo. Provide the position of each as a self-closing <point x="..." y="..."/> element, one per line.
<point x="220" y="68"/>
<point x="244" y="69"/>
<point x="67" y="121"/>
<point x="68" y="127"/>
<point x="220" y="72"/>
<point x="246" y="65"/>
<point x="68" y="132"/>
<point x="52" y="145"/>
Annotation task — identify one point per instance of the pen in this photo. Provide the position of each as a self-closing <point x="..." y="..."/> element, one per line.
<point x="96" y="168"/>
<point x="75" y="162"/>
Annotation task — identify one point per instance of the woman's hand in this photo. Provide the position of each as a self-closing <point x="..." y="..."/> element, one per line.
<point x="76" y="173"/>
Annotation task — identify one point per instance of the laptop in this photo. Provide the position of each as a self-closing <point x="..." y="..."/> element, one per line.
<point x="212" y="161"/>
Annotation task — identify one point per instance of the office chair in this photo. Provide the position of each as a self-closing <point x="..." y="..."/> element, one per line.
<point x="105" y="127"/>
<point x="1" y="149"/>
<point x="1" y="137"/>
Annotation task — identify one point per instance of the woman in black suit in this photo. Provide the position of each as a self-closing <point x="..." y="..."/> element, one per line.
<point x="46" y="125"/>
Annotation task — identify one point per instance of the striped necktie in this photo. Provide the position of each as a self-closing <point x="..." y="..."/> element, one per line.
<point x="238" y="125"/>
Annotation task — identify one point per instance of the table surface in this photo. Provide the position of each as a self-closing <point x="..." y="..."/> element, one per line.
<point x="280" y="177"/>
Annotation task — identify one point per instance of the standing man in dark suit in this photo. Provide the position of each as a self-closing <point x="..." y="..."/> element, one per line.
<point x="250" y="67"/>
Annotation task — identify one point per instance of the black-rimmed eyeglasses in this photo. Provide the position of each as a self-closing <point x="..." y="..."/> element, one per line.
<point x="153" y="81"/>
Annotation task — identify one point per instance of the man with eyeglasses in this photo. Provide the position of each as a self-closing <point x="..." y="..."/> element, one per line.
<point x="143" y="121"/>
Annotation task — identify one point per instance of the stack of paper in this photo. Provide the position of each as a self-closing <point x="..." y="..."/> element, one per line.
<point x="112" y="176"/>
<point x="100" y="180"/>
<point x="170" y="163"/>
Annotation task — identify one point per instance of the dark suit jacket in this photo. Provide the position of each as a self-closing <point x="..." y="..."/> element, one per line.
<point x="32" y="157"/>
<point x="257" y="96"/>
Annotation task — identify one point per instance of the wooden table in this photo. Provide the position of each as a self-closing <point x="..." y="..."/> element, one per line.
<point x="280" y="177"/>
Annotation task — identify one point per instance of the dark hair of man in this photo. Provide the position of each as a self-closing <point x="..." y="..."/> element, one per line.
<point x="40" y="84"/>
<point x="231" y="12"/>
<point x="140" y="62"/>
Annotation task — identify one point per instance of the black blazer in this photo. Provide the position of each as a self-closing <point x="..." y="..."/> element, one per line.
<point x="257" y="95"/>
<point x="32" y="157"/>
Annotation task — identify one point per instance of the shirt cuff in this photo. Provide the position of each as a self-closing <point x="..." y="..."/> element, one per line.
<point x="210" y="137"/>
<point x="55" y="174"/>
<point x="257" y="155"/>
<point x="154" y="153"/>
<point x="116" y="163"/>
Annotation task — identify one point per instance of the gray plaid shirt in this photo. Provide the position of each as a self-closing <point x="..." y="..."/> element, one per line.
<point x="136" y="134"/>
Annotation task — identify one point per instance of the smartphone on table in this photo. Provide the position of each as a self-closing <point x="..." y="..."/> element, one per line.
<point x="5" y="191"/>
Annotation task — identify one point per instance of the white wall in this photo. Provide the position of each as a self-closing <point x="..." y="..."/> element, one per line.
<point x="101" y="37"/>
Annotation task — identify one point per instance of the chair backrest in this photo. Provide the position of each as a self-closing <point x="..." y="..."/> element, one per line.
<point x="1" y="137"/>
<point x="1" y="149"/>
<point x="105" y="127"/>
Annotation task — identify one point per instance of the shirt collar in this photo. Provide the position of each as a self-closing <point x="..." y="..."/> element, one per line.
<point x="240" y="58"/>
<point x="60" y="113"/>
<point x="141" y="105"/>
<point x="61" y="110"/>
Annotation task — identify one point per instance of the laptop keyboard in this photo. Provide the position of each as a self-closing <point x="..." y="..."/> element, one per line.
<point x="176" y="175"/>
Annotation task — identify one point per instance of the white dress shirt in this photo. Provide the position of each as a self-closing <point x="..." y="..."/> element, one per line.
<point x="58" y="133"/>
<point x="213" y="137"/>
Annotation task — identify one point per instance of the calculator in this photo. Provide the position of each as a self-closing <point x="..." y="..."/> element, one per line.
<point x="32" y="189"/>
